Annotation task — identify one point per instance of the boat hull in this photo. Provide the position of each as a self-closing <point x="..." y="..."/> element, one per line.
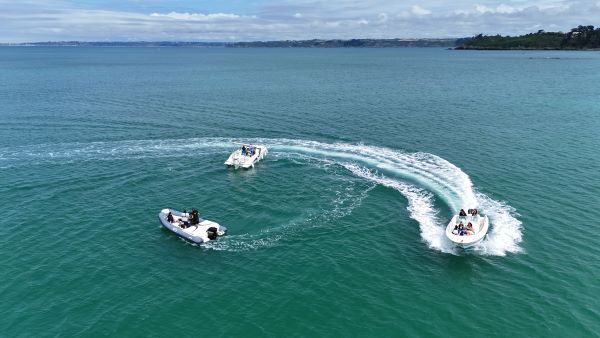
<point x="245" y="161"/>
<point x="467" y="241"/>
<point x="194" y="233"/>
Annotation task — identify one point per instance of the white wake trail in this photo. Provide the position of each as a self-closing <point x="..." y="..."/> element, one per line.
<point x="418" y="176"/>
<point x="436" y="175"/>
<point x="420" y="207"/>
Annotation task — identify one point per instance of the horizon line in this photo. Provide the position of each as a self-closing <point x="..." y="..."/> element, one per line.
<point x="220" y="41"/>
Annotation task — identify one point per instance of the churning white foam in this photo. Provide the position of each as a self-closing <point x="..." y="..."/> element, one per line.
<point x="506" y="231"/>
<point x="420" y="206"/>
<point x="419" y="176"/>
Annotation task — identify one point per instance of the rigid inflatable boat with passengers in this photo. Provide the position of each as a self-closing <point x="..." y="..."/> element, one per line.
<point x="466" y="230"/>
<point x="246" y="156"/>
<point x="189" y="226"/>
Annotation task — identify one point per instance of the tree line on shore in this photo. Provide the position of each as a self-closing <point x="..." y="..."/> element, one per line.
<point x="581" y="37"/>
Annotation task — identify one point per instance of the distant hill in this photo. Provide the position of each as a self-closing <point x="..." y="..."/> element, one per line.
<point x="316" y="43"/>
<point x="356" y="43"/>
<point x="580" y="38"/>
<point x="118" y="44"/>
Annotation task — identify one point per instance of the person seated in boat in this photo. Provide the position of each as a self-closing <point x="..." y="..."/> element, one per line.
<point x="475" y="212"/>
<point x="462" y="213"/>
<point x="455" y="231"/>
<point x="469" y="229"/>
<point x="194" y="218"/>
<point x="170" y="217"/>
<point x="184" y="224"/>
<point x="461" y="229"/>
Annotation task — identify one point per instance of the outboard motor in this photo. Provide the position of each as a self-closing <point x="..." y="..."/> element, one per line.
<point x="212" y="233"/>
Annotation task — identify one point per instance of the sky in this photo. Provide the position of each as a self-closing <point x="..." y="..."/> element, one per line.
<point x="252" y="20"/>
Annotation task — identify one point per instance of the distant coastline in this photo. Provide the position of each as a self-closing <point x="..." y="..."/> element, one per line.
<point x="115" y="44"/>
<point x="580" y="38"/>
<point x="352" y="43"/>
<point x="315" y="43"/>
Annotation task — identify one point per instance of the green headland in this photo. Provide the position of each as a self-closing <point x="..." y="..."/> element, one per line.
<point x="580" y="38"/>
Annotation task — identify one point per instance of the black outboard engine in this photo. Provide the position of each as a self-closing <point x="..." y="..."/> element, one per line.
<point x="212" y="233"/>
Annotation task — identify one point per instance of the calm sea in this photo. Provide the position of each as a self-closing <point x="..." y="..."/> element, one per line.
<point x="338" y="232"/>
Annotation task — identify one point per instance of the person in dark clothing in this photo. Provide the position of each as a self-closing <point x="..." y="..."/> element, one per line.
<point x="462" y="213"/>
<point x="455" y="231"/>
<point x="244" y="150"/>
<point x="461" y="229"/>
<point x="170" y="217"/>
<point x="194" y="217"/>
<point x="185" y="224"/>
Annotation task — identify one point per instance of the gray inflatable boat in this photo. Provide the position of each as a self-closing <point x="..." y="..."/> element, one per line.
<point x="182" y="225"/>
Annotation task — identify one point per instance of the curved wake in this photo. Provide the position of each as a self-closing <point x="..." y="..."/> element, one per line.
<point x="419" y="177"/>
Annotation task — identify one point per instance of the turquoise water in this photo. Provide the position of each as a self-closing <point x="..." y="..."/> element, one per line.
<point x="338" y="232"/>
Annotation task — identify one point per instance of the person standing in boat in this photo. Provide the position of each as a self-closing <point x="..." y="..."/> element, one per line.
<point x="170" y="217"/>
<point x="244" y="150"/>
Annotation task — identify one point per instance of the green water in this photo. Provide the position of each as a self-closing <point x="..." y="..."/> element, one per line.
<point x="338" y="232"/>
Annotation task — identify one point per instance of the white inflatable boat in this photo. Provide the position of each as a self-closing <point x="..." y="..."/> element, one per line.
<point x="246" y="156"/>
<point x="467" y="230"/>
<point x="190" y="227"/>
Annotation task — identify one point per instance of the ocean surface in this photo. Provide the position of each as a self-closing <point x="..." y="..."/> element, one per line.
<point x="339" y="232"/>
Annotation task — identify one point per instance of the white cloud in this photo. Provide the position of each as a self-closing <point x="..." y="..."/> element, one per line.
<point x="502" y="9"/>
<point x="418" y="10"/>
<point x="196" y="16"/>
<point x="552" y="8"/>
<point x="298" y="15"/>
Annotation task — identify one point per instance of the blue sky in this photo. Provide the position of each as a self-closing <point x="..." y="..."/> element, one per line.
<point x="237" y="20"/>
